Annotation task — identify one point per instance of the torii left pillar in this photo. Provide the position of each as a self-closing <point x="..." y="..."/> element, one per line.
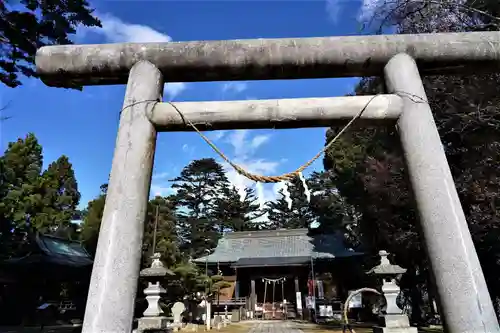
<point x="113" y="286"/>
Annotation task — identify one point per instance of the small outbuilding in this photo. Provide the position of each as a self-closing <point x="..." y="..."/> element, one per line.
<point x="55" y="272"/>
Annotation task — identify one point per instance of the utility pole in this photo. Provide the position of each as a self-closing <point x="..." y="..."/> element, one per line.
<point x="156" y="226"/>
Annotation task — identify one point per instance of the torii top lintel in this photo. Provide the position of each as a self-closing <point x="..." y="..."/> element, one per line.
<point x="264" y="59"/>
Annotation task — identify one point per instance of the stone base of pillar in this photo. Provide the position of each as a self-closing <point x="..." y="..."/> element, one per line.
<point x="395" y="323"/>
<point x="153" y="323"/>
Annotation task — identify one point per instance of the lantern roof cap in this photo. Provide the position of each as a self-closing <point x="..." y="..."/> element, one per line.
<point x="385" y="267"/>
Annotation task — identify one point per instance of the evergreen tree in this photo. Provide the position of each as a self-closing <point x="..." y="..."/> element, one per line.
<point x="70" y="231"/>
<point x="21" y="200"/>
<point x="32" y="202"/>
<point x="331" y="211"/>
<point x="299" y="215"/>
<point x="5" y="224"/>
<point x="166" y="233"/>
<point x="60" y="197"/>
<point x="187" y="282"/>
<point x="198" y="185"/>
<point x="369" y="168"/>
<point x="37" y="23"/>
<point x="92" y="220"/>
<point x="235" y="213"/>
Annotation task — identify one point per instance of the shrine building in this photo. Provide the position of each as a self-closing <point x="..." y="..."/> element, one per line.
<point x="271" y="272"/>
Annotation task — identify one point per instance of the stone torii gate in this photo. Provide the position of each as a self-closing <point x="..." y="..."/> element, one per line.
<point x="466" y="305"/>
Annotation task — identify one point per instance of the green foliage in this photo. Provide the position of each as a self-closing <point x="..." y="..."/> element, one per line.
<point x="299" y="215"/>
<point x="166" y="234"/>
<point x="189" y="223"/>
<point x="37" y="24"/>
<point x="198" y="186"/>
<point x="189" y="280"/>
<point x="22" y="164"/>
<point x="60" y="196"/>
<point x="217" y="284"/>
<point x="92" y="221"/>
<point x="330" y="209"/>
<point x="235" y="213"/>
<point x="369" y="170"/>
<point x="32" y="201"/>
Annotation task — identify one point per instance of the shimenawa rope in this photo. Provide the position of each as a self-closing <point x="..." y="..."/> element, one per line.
<point x="290" y="175"/>
<point x="273" y="179"/>
<point x="346" y="325"/>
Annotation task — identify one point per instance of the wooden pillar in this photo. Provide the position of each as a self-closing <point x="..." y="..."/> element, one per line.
<point x="236" y="284"/>
<point x="253" y="296"/>
<point x="298" y="299"/>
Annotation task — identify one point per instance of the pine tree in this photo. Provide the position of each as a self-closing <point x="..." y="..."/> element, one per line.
<point x="188" y="280"/>
<point x="299" y="215"/>
<point x="60" y="197"/>
<point x="198" y="185"/>
<point x="332" y="212"/>
<point x="38" y="23"/>
<point x="21" y="200"/>
<point x="32" y="202"/>
<point x="235" y="213"/>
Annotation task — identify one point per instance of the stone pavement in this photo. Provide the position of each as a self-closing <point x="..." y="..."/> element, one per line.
<point x="274" y="327"/>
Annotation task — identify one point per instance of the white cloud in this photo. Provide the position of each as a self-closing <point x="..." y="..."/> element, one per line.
<point x="245" y="148"/>
<point x="118" y="31"/>
<point x="158" y="187"/>
<point x="244" y="151"/>
<point x="236" y="87"/>
<point x="161" y="175"/>
<point x="114" y="30"/>
<point x="259" y="141"/>
<point x="365" y="13"/>
<point x="162" y="191"/>
<point x="217" y="135"/>
<point x="188" y="149"/>
<point x="237" y="140"/>
<point x="264" y="192"/>
<point x="368" y="9"/>
<point x="333" y="9"/>
<point x="173" y="89"/>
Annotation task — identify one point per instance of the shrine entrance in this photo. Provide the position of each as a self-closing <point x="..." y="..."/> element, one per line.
<point x="276" y="281"/>
<point x="277" y="290"/>
<point x="465" y="301"/>
<point x="274" y="302"/>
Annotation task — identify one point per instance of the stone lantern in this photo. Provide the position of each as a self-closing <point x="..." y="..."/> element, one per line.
<point x="153" y="316"/>
<point x="206" y="303"/>
<point x="394" y="319"/>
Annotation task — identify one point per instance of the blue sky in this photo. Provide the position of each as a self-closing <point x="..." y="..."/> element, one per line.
<point x="83" y="125"/>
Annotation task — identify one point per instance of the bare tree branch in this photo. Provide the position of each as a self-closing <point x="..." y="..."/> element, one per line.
<point x="3" y="108"/>
<point x="399" y="10"/>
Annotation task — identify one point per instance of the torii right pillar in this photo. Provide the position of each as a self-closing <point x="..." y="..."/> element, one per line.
<point x="452" y="254"/>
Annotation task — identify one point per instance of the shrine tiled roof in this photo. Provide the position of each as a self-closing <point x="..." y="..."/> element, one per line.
<point x="55" y="251"/>
<point x="278" y="244"/>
